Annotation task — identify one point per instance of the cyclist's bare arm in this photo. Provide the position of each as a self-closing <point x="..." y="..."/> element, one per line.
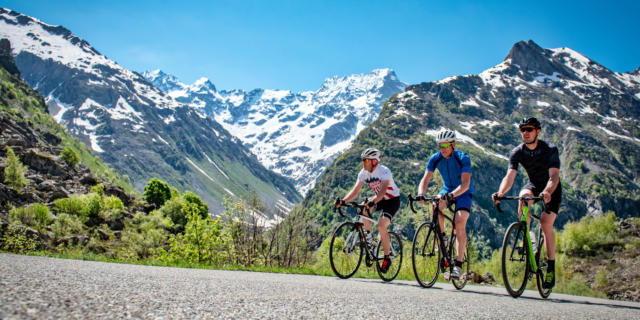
<point x="464" y="186"/>
<point x="507" y="183"/>
<point x="353" y="193"/>
<point x="554" y="179"/>
<point x="422" y="187"/>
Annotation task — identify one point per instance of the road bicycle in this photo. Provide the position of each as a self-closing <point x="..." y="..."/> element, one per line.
<point x="432" y="252"/>
<point x="520" y="258"/>
<point x="349" y="245"/>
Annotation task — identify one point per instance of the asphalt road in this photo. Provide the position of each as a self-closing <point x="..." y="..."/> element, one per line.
<point x="46" y="288"/>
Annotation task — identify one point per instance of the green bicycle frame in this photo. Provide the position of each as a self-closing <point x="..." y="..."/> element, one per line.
<point x="523" y="219"/>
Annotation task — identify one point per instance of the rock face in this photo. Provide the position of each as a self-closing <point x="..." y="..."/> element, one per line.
<point x="133" y="126"/>
<point x="589" y="112"/>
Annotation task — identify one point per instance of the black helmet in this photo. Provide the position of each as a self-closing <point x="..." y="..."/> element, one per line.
<point x="530" y="121"/>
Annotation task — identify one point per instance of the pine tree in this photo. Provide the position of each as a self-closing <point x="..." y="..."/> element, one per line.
<point x="14" y="171"/>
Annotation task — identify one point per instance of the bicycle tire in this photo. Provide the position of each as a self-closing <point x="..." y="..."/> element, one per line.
<point x="345" y="259"/>
<point x="541" y="255"/>
<point x="460" y="283"/>
<point x="425" y="255"/>
<point x="395" y="255"/>
<point x="515" y="265"/>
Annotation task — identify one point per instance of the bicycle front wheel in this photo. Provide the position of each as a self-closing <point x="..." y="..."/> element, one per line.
<point x="425" y="255"/>
<point x="462" y="281"/>
<point x="515" y="268"/>
<point x="395" y="254"/>
<point x="541" y="261"/>
<point x="345" y="252"/>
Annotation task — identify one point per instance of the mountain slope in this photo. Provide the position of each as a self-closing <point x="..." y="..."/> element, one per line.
<point x="294" y="134"/>
<point x="28" y="129"/>
<point x="589" y="112"/>
<point x="132" y="125"/>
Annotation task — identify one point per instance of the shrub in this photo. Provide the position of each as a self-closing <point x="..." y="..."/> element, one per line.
<point x="69" y="156"/>
<point x="67" y="224"/>
<point x="74" y="205"/>
<point x="173" y="210"/>
<point x="112" y="208"/>
<point x="157" y="192"/>
<point x="15" y="239"/>
<point x="143" y="235"/>
<point x="589" y="234"/>
<point x="34" y="215"/>
<point x="14" y="171"/>
<point x="192" y="198"/>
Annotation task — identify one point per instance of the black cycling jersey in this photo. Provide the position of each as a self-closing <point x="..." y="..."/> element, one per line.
<point x="536" y="162"/>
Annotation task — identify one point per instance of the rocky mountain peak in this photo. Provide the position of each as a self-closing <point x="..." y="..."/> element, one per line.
<point x="6" y="59"/>
<point x="204" y="83"/>
<point x="531" y="57"/>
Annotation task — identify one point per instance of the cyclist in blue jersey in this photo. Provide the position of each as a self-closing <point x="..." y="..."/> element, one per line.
<point x="455" y="168"/>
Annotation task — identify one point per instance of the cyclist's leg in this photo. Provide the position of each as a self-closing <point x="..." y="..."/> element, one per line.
<point x="442" y="204"/>
<point x="525" y="192"/>
<point x="387" y="208"/>
<point x="546" y="221"/>
<point x="383" y="223"/>
<point x="463" y="209"/>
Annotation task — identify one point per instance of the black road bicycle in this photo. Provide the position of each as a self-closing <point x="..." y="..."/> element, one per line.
<point x="431" y="252"/>
<point x="349" y="245"/>
<point x="520" y="259"/>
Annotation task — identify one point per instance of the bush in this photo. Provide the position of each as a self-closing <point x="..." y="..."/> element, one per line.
<point x="15" y="239"/>
<point x="67" y="224"/>
<point x="143" y="234"/>
<point x="192" y="198"/>
<point x="74" y="205"/>
<point x="34" y="215"/>
<point x="112" y="208"/>
<point x="69" y="156"/>
<point x="157" y="192"/>
<point x="14" y="171"/>
<point x="589" y="235"/>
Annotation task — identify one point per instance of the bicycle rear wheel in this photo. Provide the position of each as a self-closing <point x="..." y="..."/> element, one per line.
<point x="345" y="252"/>
<point x="395" y="253"/>
<point x="462" y="281"/>
<point x="541" y="261"/>
<point x="425" y="255"/>
<point x="515" y="269"/>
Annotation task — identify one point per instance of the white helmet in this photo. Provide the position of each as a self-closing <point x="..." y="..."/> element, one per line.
<point x="446" y="135"/>
<point x="371" y="153"/>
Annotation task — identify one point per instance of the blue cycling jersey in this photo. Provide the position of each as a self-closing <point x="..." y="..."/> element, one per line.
<point x="451" y="169"/>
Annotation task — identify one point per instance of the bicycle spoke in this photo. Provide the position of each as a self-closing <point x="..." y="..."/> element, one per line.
<point x="345" y="253"/>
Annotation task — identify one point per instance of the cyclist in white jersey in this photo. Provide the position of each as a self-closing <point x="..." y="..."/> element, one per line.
<point x="387" y="198"/>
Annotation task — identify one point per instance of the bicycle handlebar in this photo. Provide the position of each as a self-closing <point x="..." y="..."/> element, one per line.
<point x="351" y="204"/>
<point x="516" y="198"/>
<point x="423" y="198"/>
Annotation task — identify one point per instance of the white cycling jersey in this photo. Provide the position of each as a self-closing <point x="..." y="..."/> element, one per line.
<point x="374" y="181"/>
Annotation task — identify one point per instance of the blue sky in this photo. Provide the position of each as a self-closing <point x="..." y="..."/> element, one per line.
<point x="295" y="45"/>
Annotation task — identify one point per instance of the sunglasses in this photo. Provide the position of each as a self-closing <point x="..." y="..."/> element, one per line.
<point x="445" y="145"/>
<point x="366" y="160"/>
<point x="527" y="129"/>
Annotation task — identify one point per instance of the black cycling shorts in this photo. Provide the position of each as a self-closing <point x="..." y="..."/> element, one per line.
<point x="389" y="207"/>
<point x="556" y="196"/>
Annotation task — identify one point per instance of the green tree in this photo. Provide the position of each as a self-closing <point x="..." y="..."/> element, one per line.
<point x="157" y="192"/>
<point x="69" y="156"/>
<point x="14" y="172"/>
<point x="192" y="198"/>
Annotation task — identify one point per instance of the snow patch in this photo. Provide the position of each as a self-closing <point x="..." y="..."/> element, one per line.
<point x="94" y="143"/>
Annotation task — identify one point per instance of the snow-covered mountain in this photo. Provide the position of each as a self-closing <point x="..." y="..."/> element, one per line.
<point x="132" y="125"/>
<point x="294" y="134"/>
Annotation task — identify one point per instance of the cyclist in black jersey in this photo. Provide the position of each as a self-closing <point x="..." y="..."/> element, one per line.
<point x="542" y="163"/>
